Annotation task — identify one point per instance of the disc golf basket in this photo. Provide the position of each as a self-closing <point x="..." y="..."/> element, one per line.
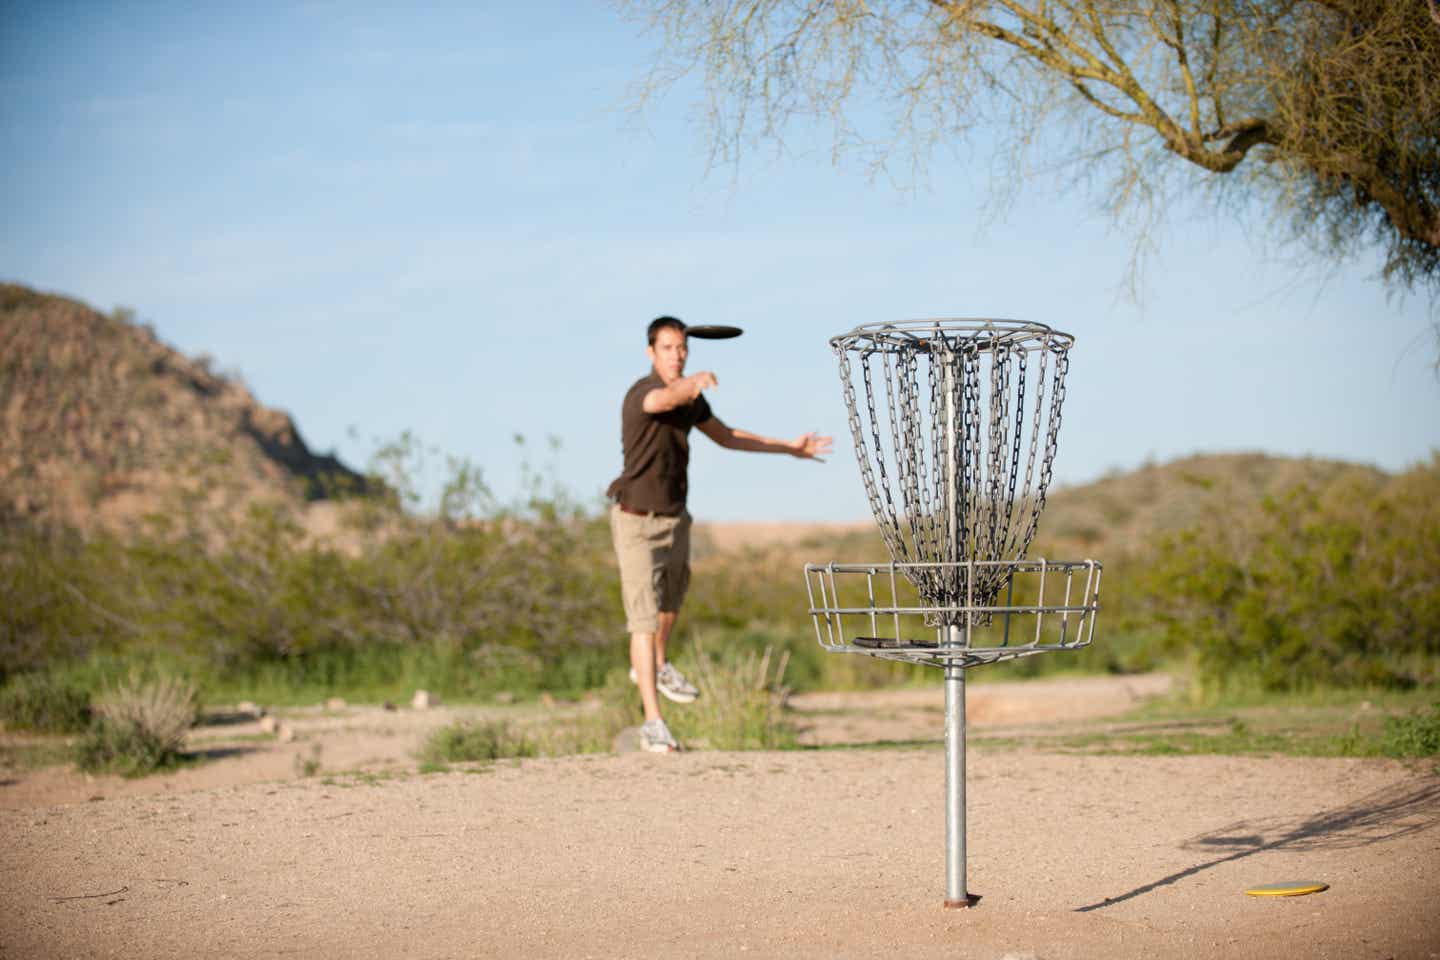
<point x="954" y="424"/>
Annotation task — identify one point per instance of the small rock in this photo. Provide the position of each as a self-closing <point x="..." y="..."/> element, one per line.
<point x="286" y="734"/>
<point x="249" y="708"/>
<point x="335" y="703"/>
<point x="424" y="700"/>
<point x="1366" y="705"/>
<point x="388" y="705"/>
<point x="547" y="699"/>
<point x="504" y="696"/>
<point x="269" y="724"/>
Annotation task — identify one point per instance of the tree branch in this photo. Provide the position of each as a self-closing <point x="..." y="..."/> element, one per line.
<point x="1178" y="45"/>
<point x="1414" y="220"/>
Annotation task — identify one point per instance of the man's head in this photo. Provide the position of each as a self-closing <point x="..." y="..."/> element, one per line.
<point x="663" y="323"/>
<point x="668" y="348"/>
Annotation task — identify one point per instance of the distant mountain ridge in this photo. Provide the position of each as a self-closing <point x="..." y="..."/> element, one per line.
<point x="1115" y="516"/>
<point x="99" y="420"/>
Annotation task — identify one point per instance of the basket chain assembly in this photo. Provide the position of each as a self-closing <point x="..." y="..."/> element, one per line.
<point x="974" y="392"/>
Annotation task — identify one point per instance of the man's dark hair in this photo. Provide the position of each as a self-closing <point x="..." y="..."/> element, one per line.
<point x="660" y="323"/>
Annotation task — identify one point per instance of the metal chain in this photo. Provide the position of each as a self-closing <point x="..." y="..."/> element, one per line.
<point x="957" y="469"/>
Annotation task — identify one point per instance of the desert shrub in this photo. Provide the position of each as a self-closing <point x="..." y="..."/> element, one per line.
<point x="1318" y="587"/>
<point x="1413" y="735"/>
<point x="741" y="706"/>
<point x="479" y="742"/>
<point x="126" y="750"/>
<point x="140" y="727"/>
<point x="45" y="703"/>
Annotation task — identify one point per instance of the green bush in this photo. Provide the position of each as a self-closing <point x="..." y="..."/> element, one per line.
<point x="1319" y="587"/>
<point x="124" y="749"/>
<point x="480" y="742"/>
<point x="740" y="705"/>
<point x="1413" y="735"/>
<point x="1324" y="585"/>
<point x="140" y="728"/>
<point x="45" y="703"/>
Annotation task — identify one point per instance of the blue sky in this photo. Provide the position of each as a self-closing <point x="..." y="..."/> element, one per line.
<point x="443" y="219"/>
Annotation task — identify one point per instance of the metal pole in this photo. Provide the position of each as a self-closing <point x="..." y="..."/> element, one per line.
<point x="956" y="892"/>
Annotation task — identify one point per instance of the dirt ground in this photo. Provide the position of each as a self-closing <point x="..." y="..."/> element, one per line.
<point x="834" y="851"/>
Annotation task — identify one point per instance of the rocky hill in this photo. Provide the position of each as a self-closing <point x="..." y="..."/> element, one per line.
<point x="100" y="422"/>
<point x="1122" y="512"/>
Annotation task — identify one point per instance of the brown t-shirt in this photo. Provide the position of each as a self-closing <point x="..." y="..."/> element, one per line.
<point x="657" y="451"/>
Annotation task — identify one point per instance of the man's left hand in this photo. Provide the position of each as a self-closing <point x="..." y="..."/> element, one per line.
<point x="811" y="446"/>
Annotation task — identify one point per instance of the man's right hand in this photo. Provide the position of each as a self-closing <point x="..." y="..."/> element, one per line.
<point x="679" y="392"/>
<point x="691" y="387"/>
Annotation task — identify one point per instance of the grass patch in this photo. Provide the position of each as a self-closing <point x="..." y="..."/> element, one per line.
<point x="1318" y="723"/>
<point x="347" y="779"/>
<point x="35" y="756"/>
<point x="1234" y="739"/>
<point x="476" y="742"/>
<point x="45" y="703"/>
<point x="740" y="704"/>
<point x="1412" y="735"/>
<point x="309" y="765"/>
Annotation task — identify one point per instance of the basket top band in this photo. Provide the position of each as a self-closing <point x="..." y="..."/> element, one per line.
<point x="957" y="333"/>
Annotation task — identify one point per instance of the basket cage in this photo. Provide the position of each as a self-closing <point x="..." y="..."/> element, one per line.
<point x="875" y="609"/>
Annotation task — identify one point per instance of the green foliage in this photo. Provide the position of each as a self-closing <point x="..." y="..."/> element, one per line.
<point x="740" y="703"/>
<point x="140" y="729"/>
<point x="1413" y="735"/>
<point x="47" y="612"/>
<point x="127" y="750"/>
<point x="481" y="742"/>
<point x="1328" y="582"/>
<point x="45" y="703"/>
<point x="1320" y="586"/>
<point x="481" y="598"/>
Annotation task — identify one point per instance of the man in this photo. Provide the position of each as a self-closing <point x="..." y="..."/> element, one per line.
<point x="648" y="521"/>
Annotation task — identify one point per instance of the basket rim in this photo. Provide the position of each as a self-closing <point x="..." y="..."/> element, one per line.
<point x="983" y="333"/>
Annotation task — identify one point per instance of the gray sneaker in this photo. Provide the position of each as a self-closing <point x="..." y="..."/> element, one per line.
<point x="655" y="737"/>
<point x="672" y="683"/>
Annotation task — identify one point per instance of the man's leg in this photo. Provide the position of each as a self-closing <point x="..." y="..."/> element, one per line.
<point x="642" y="554"/>
<point x="642" y="661"/>
<point x="662" y="635"/>
<point x="675" y="582"/>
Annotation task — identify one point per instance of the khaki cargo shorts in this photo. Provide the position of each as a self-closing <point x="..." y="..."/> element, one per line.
<point x="654" y="554"/>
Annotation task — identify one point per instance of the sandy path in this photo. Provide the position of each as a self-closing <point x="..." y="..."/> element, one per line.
<point x="820" y="853"/>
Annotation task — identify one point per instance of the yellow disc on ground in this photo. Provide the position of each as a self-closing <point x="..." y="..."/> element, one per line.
<point x="1288" y="888"/>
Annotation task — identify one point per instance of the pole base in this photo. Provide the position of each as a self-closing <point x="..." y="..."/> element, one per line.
<point x="971" y="899"/>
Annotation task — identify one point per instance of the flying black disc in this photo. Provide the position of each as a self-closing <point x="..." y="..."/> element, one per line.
<point x="712" y="331"/>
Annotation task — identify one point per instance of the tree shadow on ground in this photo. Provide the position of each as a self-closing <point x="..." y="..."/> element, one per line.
<point x="1380" y="817"/>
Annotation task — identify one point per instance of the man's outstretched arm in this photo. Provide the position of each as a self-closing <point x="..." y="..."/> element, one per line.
<point x="807" y="446"/>
<point x="678" y="392"/>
